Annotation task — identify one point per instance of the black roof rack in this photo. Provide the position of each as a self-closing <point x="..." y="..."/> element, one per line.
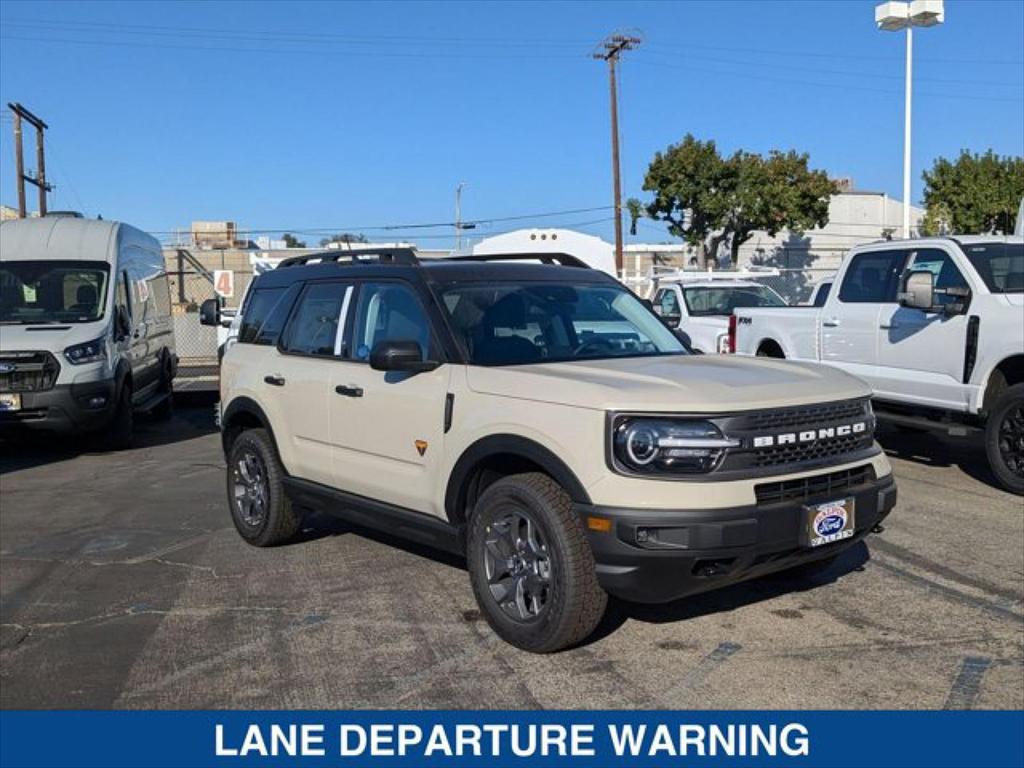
<point x="356" y="256"/>
<point x="544" y="258"/>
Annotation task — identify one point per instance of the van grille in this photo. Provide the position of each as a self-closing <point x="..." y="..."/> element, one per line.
<point x="31" y="371"/>
<point x="816" y="486"/>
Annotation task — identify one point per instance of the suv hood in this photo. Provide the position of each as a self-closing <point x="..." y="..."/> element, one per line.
<point x="683" y="383"/>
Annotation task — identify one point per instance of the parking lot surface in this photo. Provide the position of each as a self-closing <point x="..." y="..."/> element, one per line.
<point x="123" y="584"/>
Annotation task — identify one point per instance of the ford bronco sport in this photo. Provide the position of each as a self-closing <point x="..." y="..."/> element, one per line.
<point x="542" y="420"/>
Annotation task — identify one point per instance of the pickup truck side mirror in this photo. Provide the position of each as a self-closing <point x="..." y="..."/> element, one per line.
<point x="673" y="320"/>
<point x="400" y="356"/>
<point x="209" y="312"/>
<point x="919" y="291"/>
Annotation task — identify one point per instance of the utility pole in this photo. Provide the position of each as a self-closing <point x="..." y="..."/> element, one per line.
<point x="20" y="113"/>
<point x="458" y="215"/>
<point x="609" y="50"/>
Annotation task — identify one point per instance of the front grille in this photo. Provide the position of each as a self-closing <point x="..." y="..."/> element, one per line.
<point x="32" y="371"/>
<point x="802" y="436"/>
<point x="809" y="415"/>
<point x="821" y="449"/>
<point x="814" y="487"/>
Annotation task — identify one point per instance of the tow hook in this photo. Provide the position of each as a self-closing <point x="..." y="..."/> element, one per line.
<point x="879" y="528"/>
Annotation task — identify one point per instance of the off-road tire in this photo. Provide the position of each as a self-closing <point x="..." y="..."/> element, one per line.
<point x="575" y="602"/>
<point x="118" y="434"/>
<point x="279" y="521"/>
<point x="1009" y="401"/>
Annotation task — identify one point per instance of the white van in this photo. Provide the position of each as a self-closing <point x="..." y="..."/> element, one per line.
<point x="86" y="336"/>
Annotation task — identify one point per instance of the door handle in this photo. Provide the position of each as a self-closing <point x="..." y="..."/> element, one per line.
<point x="277" y="381"/>
<point x="888" y="326"/>
<point x="832" y="322"/>
<point x="349" y="391"/>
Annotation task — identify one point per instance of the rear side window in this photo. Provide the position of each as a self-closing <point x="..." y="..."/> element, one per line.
<point x="873" y="278"/>
<point x="256" y="312"/>
<point x="317" y="323"/>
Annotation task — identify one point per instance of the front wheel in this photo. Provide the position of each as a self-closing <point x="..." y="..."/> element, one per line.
<point x="531" y="567"/>
<point x="1004" y="439"/>
<point x="260" y="510"/>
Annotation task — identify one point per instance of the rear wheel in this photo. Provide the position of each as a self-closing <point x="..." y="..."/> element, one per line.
<point x="260" y="510"/>
<point x="531" y="567"/>
<point x="1004" y="438"/>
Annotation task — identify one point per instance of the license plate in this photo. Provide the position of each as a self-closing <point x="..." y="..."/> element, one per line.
<point x="829" y="522"/>
<point x="10" y="401"/>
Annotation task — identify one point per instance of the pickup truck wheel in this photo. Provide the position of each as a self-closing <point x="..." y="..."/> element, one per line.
<point x="1004" y="438"/>
<point x="260" y="509"/>
<point x="530" y="566"/>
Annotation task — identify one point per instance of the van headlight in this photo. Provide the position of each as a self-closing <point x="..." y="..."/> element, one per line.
<point x="89" y="352"/>
<point x="666" y="446"/>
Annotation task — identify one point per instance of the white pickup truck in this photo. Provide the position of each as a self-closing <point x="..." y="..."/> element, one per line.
<point x="935" y="326"/>
<point x="698" y="304"/>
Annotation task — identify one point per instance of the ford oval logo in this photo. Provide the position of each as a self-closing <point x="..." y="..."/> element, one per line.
<point x="828" y="524"/>
<point x="8" y="367"/>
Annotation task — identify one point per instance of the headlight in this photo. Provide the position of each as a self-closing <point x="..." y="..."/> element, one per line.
<point x="654" y="446"/>
<point x="89" y="352"/>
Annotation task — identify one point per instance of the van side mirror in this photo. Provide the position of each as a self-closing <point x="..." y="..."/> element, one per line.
<point x="400" y="356"/>
<point x="919" y="290"/>
<point x="209" y="312"/>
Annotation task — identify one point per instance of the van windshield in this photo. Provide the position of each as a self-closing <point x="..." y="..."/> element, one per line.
<point x="45" y="292"/>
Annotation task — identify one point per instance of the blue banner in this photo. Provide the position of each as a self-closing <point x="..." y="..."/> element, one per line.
<point x="189" y="739"/>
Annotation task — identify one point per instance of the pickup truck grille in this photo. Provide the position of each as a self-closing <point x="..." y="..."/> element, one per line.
<point x="800" y="437"/>
<point x="28" y="371"/>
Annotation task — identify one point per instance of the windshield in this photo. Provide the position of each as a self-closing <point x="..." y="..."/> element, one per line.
<point x="515" y="324"/>
<point x="722" y="300"/>
<point x="40" y="292"/>
<point x="1001" y="265"/>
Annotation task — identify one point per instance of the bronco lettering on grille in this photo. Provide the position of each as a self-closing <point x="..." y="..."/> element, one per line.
<point x="810" y="435"/>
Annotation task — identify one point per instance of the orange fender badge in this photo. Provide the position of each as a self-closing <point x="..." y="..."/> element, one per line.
<point x="421" y="446"/>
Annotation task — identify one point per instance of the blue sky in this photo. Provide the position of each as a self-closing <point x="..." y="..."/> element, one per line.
<point x="319" y="115"/>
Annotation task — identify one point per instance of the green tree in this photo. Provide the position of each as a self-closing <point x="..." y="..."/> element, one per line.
<point x="344" y="237"/>
<point x="290" y="241"/>
<point x="708" y="200"/>
<point x="974" y="194"/>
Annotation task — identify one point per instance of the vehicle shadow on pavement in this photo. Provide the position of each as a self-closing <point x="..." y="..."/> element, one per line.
<point x="733" y="597"/>
<point x="931" y="450"/>
<point x="28" y="450"/>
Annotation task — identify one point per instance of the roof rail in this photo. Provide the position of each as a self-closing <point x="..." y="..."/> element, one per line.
<point x="544" y="258"/>
<point x="355" y="256"/>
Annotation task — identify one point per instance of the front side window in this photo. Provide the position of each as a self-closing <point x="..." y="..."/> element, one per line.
<point x="516" y="324"/>
<point x="255" y="312"/>
<point x="389" y="312"/>
<point x="41" y="292"/>
<point x="668" y="303"/>
<point x="872" y="278"/>
<point x="822" y="295"/>
<point x="316" y="325"/>
<point x="940" y="264"/>
<point x="1000" y="265"/>
<point x="722" y="300"/>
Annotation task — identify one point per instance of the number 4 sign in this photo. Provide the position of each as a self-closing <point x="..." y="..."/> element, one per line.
<point x="224" y="283"/>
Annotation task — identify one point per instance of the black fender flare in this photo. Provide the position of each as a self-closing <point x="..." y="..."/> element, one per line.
<point x="456" y="489"/>
<point x="249" y="407"/>
<point x="122" y="373"/>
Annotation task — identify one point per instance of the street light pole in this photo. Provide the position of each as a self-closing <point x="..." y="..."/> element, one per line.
<point x="891" y="17"/>
<point x="906" y="131"/>
<point x="458" y="215"/>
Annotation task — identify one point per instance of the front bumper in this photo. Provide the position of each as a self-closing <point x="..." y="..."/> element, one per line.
<point x="691" y="551"/>
<point x="64" y="408"/>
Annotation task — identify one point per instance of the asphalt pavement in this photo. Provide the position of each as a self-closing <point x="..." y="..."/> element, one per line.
<point x="123" y="584"/>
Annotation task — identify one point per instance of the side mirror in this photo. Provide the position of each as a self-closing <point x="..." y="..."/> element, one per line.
<point x="672" y="321"/>
<point x="400" y="356"/>
<point x="919" y="292"/>
<point x="209" y="312"/>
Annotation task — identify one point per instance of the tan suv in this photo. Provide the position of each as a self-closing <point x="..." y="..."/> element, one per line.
<point x="542" y="420"/>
